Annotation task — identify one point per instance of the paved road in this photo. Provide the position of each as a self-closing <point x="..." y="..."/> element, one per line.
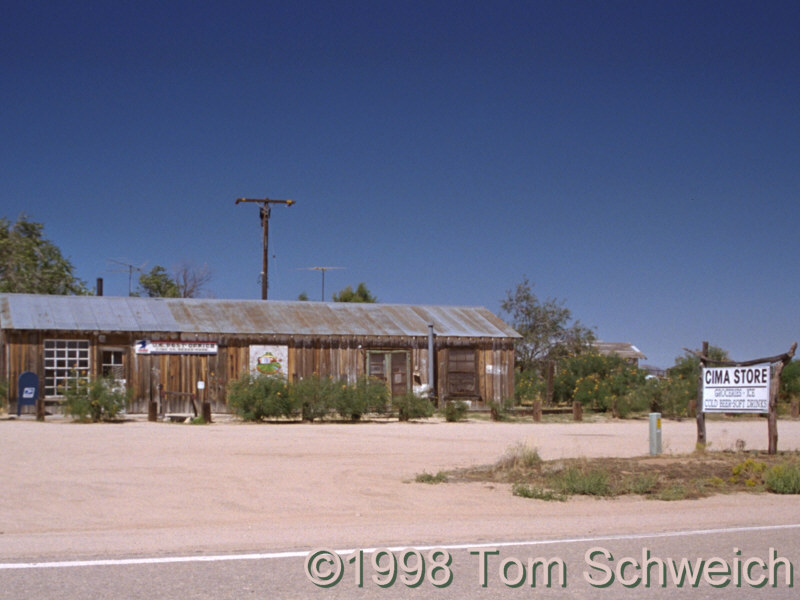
<point x="474" y="571"/>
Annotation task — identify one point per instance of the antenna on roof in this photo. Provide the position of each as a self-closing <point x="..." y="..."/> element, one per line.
<point x="323" y="269"/>
<point x="130" y="269"/>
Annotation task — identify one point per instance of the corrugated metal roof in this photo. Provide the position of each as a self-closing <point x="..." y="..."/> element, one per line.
<point x="193" y="315"/>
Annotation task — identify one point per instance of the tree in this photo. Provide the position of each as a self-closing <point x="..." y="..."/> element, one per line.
<point x="790" y="381"/>
<point x="362" y="294"/>
<point x="31" y="264"/>
<point x="187" y="282"/>
<point x="158" y="284"/>
<point x="191" y="280"/>
<point x="547" y="329"/>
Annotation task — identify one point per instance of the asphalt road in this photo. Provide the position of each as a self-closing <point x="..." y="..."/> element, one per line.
<point x="753" y="562"/>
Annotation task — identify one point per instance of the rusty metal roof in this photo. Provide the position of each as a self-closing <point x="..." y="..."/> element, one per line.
<point x="246" y="317"/>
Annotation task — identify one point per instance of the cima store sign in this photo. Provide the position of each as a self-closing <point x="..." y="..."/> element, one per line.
<point x="736" y="389"/>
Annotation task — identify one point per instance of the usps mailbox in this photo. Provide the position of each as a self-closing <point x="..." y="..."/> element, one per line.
<point x="27" y="390"/>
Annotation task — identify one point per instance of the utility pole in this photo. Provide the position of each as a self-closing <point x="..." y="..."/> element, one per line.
<point x="264" y="213"/>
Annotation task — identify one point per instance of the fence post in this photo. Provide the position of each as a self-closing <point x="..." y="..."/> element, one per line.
<point x="537" y="411"/>
<point x="577" y="411"/>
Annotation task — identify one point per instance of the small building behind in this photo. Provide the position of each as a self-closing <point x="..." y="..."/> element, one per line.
<point x="625" y="350"/>
<point x="172" y="344"/>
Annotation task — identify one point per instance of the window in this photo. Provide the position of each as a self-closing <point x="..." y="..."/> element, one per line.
<point x="64" y="361"/>
<point x="113" y="365"/>
<point x="461" y="370"/>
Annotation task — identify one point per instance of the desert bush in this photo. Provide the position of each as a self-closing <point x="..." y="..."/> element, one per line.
<point x="588" y="482"/>
<point x="528" y="386"/>
<point x="410" y="406"/>
<point x="455" y="410"/>
<point x="316" y="396"/>
<point x="425" y="477"/>
<point x="597" y="381"/>
<point x="535" y="492"/>
<point x="368" y="395"/>
<point x="94" y="400"/>
<point x="257" y="397"/>
<point x="519" y="457"/>
<point x="783" y="479"/>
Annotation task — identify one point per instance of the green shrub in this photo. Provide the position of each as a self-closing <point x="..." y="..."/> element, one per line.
<point x="528" y="386"/>
<point x="94" y="400"/>
<point x="455" y="410"/>
<point x="256" y="397"/>
<point x="410" y="406"/>
<point x="425" y="477"/>
<point x="535" y="492"/>
<point x="783" y="479"/>
<point x="588" y="482"/>
<point x="643" y="484"/>
<point x="636" y="400"/>
<point x="3" y="394"/>
<point x="368" y="395"/>
<point x="316" y="396"/>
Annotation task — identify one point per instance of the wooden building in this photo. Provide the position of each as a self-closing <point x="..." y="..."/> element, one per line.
<point x="175" y="343"/>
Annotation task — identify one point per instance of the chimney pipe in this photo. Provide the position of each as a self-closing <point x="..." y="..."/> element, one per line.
<point x="99" y="286"/>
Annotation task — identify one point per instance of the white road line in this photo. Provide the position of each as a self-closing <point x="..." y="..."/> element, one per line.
<point x="304" y="553"/>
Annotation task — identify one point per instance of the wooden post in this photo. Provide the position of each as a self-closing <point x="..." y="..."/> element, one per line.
<point x="40" y="407"/>
<point x="207" y="412"/>
<point x="152" y="411"/>
<point x="701" y="416"/>
<point x="577" y="411"/>
<point x="795" y="409"/>
<point x="772" y="417"/>
<point x="537" y="411"/>
<point x="551" y="370"/>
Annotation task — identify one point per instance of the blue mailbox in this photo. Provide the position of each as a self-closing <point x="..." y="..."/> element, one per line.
<point x="27" y="390"/>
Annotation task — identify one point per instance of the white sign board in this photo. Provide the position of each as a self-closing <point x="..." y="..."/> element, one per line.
<point x="165" y="347"/>
<point x="736" y="389"/>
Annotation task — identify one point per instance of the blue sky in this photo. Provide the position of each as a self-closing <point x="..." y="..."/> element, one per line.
<point x="638" y="160"/>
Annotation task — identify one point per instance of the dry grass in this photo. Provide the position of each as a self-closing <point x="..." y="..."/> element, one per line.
<point x="674" y="477"/>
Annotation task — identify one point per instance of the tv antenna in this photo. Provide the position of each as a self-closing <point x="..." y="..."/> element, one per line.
<point x="264" y="213"/>
<point x="322" y="269"/>
<point x="130" y="268"/>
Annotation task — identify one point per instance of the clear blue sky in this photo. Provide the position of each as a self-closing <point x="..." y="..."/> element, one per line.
<point x="639" y="160"/>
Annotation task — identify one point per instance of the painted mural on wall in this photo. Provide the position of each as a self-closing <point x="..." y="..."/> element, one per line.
<point x="269" y="360"/>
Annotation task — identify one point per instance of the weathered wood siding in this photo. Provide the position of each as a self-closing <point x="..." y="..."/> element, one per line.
<point x="342" y="357"/>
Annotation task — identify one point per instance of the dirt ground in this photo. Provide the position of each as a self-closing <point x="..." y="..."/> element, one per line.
<point x="73" y="491"/>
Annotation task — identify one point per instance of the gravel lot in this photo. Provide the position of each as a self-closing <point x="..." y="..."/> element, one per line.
<point x="134" y="488"/>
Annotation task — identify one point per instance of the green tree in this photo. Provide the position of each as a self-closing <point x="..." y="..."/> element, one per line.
<point x="361" y="294"/>
<point x="158" y="284"/>
<point x="790" y="381"/>
<point x="547" y="328"/>
<point x="597" y="380"/>
<point x="31" y="264"/>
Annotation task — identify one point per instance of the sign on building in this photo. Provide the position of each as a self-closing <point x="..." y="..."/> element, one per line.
<point x="269" y="360"/>
<point x="168" y="347"/>
<point x="736" y="389"/>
